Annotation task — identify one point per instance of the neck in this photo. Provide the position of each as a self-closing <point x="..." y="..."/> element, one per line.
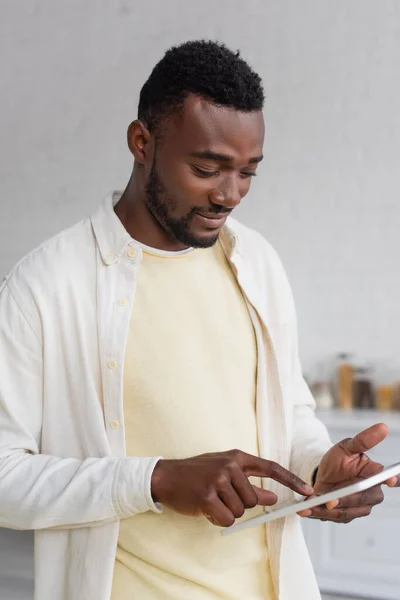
<point x="132" y="211"/>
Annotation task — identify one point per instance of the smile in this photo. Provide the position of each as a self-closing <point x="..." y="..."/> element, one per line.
<point x="211" y="221"/>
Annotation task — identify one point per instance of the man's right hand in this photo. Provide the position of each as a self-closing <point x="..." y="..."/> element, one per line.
<point x="216" y="485"/>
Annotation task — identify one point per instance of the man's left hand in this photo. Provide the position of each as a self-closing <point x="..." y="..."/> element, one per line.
<point x="344" y="464"/>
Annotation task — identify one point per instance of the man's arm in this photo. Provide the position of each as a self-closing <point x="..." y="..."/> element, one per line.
<point x="313" y="457"/>
<point x="310" y="437"/>
<point x="39" y="491"/>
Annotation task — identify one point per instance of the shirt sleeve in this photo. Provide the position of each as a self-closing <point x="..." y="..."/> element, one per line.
<point x="310" y="436"/>
<point x="39" y="491"/>
<point x="310" y="440"/>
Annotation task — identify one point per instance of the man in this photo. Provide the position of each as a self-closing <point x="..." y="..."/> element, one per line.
<point x="150" y="388"/>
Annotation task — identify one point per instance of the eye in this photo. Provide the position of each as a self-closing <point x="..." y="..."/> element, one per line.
<point x="247" y="175"/>
<point x="203" y="173"/>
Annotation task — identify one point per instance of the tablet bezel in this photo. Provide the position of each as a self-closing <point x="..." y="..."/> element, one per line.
<point x="292" y="508"/>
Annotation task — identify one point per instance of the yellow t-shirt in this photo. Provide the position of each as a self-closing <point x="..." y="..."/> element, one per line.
<point x="189" y="388"/>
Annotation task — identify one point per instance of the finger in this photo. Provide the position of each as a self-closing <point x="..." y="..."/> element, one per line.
<point x="290" y="480"/>
<point x="392" y="482"/>
<point x="329" y="505"/>
<point x="341" y="515"/>
<point x="371" y="468"/>
<point x="305" y="513"/>
<point x="251" y="495"/>
<point x="265" y="497"/>
<point x="332" y="504"/>
<point x="218" y="514"/>
<point x="369" y="497"/>
<point x="365" y="440"/>
<point x="244" y="489"/>
<point x="259" y="467"/>
<point x="232" y="501"/>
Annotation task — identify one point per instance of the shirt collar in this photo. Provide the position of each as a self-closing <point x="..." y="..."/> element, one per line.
<point x="111" y="236"/>
<point x="113" y="239"/>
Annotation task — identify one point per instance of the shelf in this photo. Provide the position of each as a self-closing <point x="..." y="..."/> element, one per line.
<point x="359" y="418"/>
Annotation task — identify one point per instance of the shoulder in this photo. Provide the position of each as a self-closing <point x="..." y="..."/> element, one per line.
<point x="52" y="256"/>
<point x="47" y="268"/>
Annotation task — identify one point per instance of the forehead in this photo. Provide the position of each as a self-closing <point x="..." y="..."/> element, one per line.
<point x="206" y="126"/>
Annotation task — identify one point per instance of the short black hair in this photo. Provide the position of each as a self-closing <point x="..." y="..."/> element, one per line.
<point x="204" y="68"/>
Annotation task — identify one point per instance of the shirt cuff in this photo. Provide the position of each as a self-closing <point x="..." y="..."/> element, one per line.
<point x="131" y="488"/>
<point x="308" y="469"/>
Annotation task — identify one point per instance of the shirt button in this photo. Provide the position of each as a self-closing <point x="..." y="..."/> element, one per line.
<point x="122" y="301"/>
<point x="114" y="424"/>
<point x="110" y="256"/>
<point x="131" y="252"/>
<point x="112" y="364"/>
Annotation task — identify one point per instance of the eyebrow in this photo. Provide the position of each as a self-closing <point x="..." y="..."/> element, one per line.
<point x="209" y="155"/>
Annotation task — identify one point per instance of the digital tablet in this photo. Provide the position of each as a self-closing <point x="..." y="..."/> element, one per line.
<point x="291" y="508"/>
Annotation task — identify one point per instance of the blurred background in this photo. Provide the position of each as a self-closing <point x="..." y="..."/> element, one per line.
<point x="326" y="195"/>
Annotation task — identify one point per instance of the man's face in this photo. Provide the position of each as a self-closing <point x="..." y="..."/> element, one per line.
<point x="202" y="168"/>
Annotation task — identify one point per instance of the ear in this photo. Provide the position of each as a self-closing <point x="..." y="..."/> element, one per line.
<point x="140" y="142"/>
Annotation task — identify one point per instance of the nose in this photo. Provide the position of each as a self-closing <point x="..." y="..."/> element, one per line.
<point x="227" y="194"/>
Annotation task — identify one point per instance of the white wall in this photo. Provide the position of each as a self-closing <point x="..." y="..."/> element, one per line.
<point x="327" y="194"/>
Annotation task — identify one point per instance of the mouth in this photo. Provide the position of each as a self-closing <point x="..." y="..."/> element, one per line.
<point x="211" y="221"/>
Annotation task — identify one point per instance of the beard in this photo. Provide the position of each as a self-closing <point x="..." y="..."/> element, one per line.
<point x="161" y="206"/>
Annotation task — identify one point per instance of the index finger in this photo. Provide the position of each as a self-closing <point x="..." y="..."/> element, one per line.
<point x="260" y="467"/>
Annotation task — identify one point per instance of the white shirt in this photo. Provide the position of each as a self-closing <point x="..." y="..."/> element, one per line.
<point x="64" y="316"/>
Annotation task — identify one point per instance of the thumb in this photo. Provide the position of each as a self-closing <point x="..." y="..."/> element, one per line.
<point x="265" y="497"/>
<point x="367" y="439"/>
